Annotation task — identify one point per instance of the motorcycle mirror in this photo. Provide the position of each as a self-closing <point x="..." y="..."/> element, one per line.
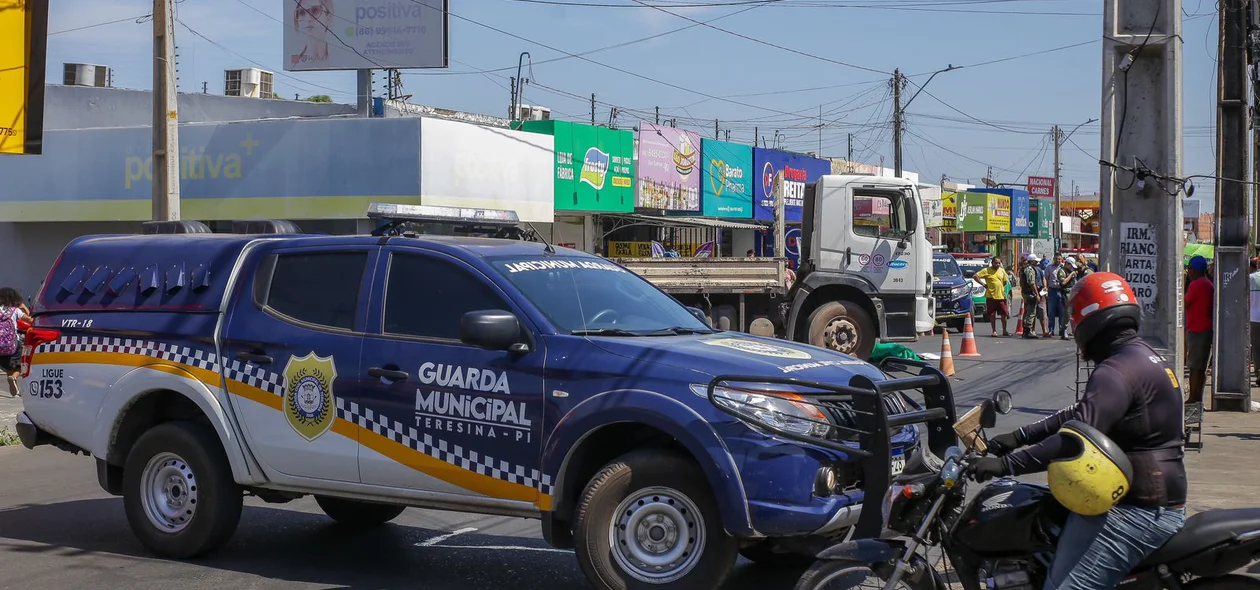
<point x="1002" y="401"/>
<point x="988" y="414"/>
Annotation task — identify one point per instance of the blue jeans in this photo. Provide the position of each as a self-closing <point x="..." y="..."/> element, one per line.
<point x="1096" y="552"/>
<point x="1056" y="309"/>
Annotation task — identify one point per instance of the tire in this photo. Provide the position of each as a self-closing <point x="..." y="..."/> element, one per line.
<point x="958" y="324"/>
<point x="725" y="318"/>
<point x="358" y="514"/>
<point x="826" y="575"/>
<point x="1230" y="582"/>
<point x="844" y="327"/>
<point x="178" y="491"/>
<point x="660" y="491"/>
<point x="764" y="554"/>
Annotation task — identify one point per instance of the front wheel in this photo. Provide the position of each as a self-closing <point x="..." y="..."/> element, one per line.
<point x="842" y="574"/>
<point x="844" y="327"/>
<point x="649" y="520"/>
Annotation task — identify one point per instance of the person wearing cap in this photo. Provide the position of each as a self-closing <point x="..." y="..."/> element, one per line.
<point x="1253" y="281"/>
<point x="1056" y="303"/>
<point x="1031" y="289"/>
<point x="1199" y="295"/>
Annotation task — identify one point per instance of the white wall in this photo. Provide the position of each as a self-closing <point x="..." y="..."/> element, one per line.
<point x="742" y="240"/>
<point x="463" y="165"/>
<point x="29" y="249"/>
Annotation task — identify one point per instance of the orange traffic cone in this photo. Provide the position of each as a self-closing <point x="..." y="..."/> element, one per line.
<point x="969" y="339"/>
<point x="1019" y="320"/>
<point x="947" y="356"/>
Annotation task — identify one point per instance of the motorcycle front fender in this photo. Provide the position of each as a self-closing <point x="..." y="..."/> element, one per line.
<point x="920" y="575"/>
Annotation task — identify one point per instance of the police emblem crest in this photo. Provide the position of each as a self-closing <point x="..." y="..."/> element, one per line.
<point x="308" y="394"/>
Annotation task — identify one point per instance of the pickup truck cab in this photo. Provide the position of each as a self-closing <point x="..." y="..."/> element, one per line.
<point x="952" y="291"/>
<point x="493" y="376"/>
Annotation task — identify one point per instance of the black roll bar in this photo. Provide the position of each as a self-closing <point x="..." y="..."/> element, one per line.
<point x="864" y="400"/>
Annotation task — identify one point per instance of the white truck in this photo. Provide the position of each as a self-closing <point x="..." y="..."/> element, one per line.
<point x="865" y="272"/>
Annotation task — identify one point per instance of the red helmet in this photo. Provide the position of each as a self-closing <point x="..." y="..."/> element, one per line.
<point x="1100" y="300"/>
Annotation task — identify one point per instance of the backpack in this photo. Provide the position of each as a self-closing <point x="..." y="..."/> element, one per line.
<point x="8" y="331"/>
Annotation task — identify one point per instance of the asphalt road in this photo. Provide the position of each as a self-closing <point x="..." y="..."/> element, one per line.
<point x="59" y="530"/>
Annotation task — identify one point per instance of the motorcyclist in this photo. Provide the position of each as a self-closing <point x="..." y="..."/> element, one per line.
<point x="1132" y="397"/>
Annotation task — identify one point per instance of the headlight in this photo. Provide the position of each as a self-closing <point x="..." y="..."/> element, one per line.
<point x="776" y="409"/>
<point x="959" y="291"/>
<point x="895" y="492"/>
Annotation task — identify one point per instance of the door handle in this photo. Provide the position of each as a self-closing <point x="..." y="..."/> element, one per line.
<point x="848" y="256"/>
<point x="391" y="374"/>
<point x="254" y="357"/>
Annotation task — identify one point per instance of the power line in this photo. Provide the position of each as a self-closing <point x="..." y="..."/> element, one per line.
<point x="136" y="19"/>
<point x="255" y="62"/>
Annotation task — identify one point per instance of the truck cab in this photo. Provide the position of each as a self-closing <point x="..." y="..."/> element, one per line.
<point x="866" y="268"/>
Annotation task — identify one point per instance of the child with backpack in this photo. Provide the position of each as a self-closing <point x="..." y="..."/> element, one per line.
<point x="11" y="310"/>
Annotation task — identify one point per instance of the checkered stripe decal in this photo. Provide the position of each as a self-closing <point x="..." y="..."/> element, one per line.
<point x="453" y="454"/>
<point x="272" y="382"/>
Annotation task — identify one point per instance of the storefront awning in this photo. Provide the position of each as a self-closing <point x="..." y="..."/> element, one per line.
<point x="690" y="221"/>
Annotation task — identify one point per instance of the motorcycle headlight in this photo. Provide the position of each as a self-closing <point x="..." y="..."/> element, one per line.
<point x="776" y="409"/>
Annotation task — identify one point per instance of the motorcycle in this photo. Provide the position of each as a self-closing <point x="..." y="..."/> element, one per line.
<point x="1005" y="537"/>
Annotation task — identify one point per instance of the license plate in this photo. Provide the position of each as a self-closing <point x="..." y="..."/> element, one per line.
<point x="898" y="463"/>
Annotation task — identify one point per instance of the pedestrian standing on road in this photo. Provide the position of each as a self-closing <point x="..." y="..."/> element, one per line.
<point x="1056" y="302"/>
<point x="1253" y="281"/>
<point x="1041" y="265"/>
<point x="995" y="281"/>
<point x="1031" y="291"/>
<point x="1199" y="295"/>
<point x="11" y="310"/>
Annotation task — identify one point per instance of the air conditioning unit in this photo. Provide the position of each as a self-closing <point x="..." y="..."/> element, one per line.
<point x="532" y="113"/>
<point x="86" y="75"/>
<point x="249" y="82"/>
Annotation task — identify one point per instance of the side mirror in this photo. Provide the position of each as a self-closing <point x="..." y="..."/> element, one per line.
<point x="699" y="315"/>
<point x="492" y="329"/>
<point x="988" y="414"/>
<point x="1002" y="401"/>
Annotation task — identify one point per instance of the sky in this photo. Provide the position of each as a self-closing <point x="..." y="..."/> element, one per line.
<point x="771" y="68"/>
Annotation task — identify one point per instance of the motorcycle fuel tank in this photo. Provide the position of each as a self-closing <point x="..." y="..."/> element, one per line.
<point x="1009" y="517"/>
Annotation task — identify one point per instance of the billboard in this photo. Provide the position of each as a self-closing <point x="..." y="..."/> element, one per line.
<point x="798" y="171"/>
<point x="466" y="165"/>
<point x="23" y="47"/>
<point x="1041" y="187"/>
<point x="984" y="212"/>
<point x="726" y="179"/>
<point x="669" y="174"/>
<point x="594" y="166"/>
<point x="1041" y="218"/>
<point x="365" y="34"/>
<point x="1008" y="214"/>
<point x="1019" y="213"/>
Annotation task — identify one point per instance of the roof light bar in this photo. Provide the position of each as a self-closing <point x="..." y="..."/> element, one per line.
<point x="389" y="211"/>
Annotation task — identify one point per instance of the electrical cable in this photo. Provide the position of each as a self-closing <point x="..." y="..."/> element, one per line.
<point x="136" y="19"/>
<point x="255" y="62"/>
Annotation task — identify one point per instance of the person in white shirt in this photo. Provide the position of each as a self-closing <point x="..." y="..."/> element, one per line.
<point x="1253" y="282"/>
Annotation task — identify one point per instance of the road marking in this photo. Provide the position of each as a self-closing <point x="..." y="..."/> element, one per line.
<point x="502" y="548"/>
<point x="438" y="539"/>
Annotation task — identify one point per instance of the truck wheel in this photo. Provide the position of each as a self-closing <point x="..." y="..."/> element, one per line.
<point x="844" y="327"/>
<point x="359" y="514"/>
<point x="725" y="318"/>
<point x="178" y="491"/>
<point x="763" y="553"/>
<point x="648" y="519"/>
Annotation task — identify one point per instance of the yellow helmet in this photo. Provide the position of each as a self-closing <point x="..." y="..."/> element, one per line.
<point x="1093" y="479"/>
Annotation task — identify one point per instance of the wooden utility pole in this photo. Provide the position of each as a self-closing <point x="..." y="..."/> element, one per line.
<point x="897" y="122"/>
<point x="1231" y="383"/>
<point x="165" y="114"/>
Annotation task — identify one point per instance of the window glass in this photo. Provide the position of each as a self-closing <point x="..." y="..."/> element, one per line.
<point x="880" y="216"/>
<point x="319" y="288"/>
<point x="427" y="297"/>
<point x="945" y="267"/>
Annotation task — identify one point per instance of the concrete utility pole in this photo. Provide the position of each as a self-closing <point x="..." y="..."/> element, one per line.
<point x="592" y="108"/>
<point x="165" y="114"/>
<point x="896" y="81"/>
<point x="850" y="156"/>
<point x="716" y="133"/>
<point x="1230" y="377"/>
<point x="820" y="128"/>
<point x="512" y="101"/>
<point x="1141" y="236"/>
<point x="1056" y="230"/>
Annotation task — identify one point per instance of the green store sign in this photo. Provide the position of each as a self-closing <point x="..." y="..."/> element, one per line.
<point x="594" y="166"/>
<point x="1041" y="219"/>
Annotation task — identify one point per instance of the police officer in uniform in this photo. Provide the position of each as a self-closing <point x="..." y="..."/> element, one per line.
<point x="1130" y="420"/>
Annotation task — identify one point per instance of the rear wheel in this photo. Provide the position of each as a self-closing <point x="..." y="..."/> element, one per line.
<point x="178" y="491"/>
<point x="355" y="513"/>
<point x="1230" y="582"/>
<point x="844" y="327"/>
<point x="649" y="520"/>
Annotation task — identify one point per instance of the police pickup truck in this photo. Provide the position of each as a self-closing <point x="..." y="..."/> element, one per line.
<point x="493" y="376"/>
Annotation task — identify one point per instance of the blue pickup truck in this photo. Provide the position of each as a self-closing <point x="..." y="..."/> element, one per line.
<point x="494" y="376"/>
<point x="952" y="291"/>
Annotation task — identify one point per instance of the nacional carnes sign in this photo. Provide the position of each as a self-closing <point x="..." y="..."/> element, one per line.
<point x="1040" y="187"/>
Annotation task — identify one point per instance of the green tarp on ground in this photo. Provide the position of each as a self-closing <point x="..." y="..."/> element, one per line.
<point x="892" y="350"/>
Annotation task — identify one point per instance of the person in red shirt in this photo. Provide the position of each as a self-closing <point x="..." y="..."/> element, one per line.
<point x="1199" y="296"/>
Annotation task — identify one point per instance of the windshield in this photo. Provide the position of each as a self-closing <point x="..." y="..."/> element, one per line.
<point x="945" y="267"/>
<point x="972" y="267"/>
<point x="587" y="296"/>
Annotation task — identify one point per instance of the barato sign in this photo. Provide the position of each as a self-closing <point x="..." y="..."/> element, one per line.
<point x="23" y="45"/>
<point x="365" y="34"/>
<point x="1140" y="253"/>
<point x="1040" y="187"/>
